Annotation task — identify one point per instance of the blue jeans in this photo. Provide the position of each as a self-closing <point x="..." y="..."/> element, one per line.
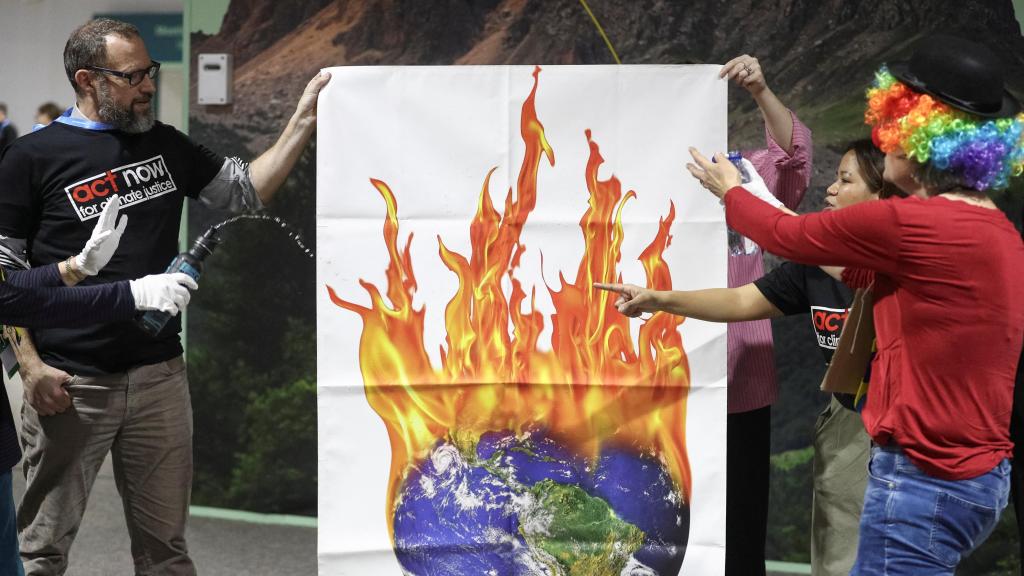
<point x="10" y="561"/>
<point x="917" y="524"/>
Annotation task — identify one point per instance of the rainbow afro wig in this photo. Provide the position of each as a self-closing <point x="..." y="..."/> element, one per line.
<point x="984" y="153"/>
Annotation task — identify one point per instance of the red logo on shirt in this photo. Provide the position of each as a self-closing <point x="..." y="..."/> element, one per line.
<point x="88" y="191"/>
<point x="135" y="183"/>
<point x="828" y="325"/>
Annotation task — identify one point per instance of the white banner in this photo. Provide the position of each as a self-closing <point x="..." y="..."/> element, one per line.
<point x="482" y="409"/>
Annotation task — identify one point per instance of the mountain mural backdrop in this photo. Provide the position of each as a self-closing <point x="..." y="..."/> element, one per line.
<point x="251" y="335"/>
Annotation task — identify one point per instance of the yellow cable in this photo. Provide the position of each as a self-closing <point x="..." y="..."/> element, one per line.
<point x="601" y="31"/>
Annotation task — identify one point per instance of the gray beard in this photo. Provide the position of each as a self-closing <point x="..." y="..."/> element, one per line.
<point x="124" y="119"/>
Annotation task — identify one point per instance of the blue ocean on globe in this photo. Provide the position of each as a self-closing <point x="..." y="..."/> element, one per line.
<point x="524" y="505"/>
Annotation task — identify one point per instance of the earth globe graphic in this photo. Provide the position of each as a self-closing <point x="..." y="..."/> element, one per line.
<point x="524" y="505"/>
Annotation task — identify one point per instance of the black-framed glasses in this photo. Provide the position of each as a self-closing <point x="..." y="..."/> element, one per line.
<point x="134" y="77"/>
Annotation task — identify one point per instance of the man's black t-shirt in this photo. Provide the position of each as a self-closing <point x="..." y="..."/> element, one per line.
<point x="53" y="185"/>
<point x="796" y="289"/>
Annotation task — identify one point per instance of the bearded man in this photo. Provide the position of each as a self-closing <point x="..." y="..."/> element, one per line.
<point x="111" y="387"/>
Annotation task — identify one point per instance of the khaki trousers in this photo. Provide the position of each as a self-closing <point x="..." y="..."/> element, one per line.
<point x="841" y="452"/>
<point x="143" y="417"/>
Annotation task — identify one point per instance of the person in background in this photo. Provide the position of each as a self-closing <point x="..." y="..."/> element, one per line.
<point x="840" y="443"/>
<point x="785" y="165"/>
<point x="946" y="268"/>
<point x="39" y="298"/>
<point x="129" y="389"/>
<point x="47" y="112"/>
<point x="8" y="132"/>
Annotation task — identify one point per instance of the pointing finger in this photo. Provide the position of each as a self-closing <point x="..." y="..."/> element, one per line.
<point x="619" y="288"/>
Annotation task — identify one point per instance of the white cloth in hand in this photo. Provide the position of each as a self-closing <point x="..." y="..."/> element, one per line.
<point x="104" y="240"/>
<point x="163" y="292"/>
<point x="757" y="187"/>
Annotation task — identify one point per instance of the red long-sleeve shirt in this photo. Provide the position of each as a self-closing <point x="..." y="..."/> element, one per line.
<point x="950" y="321"/>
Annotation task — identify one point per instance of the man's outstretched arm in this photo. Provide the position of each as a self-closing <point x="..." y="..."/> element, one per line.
<point x="269" y="171"/>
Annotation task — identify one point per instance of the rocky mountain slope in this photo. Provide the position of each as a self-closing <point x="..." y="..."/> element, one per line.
<point x="818" y="55"/>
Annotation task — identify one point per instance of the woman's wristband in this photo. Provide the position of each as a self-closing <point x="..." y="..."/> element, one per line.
<point x="69" y="271"/>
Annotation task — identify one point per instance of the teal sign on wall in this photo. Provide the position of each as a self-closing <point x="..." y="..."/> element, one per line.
<point x="162" y="33"/>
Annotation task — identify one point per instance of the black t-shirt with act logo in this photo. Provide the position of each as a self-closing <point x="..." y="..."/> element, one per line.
<point x="53" y="185"/>
<point x="796" y="289"/>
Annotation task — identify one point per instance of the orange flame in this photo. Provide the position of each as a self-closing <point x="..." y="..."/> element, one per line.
<point x="589" y="389"/>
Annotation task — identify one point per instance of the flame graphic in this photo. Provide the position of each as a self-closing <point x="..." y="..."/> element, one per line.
<point x="592" y="387"/>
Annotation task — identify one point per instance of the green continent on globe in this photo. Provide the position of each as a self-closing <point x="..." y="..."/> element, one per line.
<point x="580" y="531"/>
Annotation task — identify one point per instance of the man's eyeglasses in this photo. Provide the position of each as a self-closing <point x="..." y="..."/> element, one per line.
<point x="135" y="77"/>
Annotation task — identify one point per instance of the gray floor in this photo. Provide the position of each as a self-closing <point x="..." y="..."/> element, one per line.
<point x="220" y="547"/>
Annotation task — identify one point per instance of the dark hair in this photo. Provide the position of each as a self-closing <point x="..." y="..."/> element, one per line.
<point x="87" y="45"/>
<point x="871" y="164"/>
<point x="50" y="110"/>
<point x="937" y="181"/>
<point x="3" y="108"/>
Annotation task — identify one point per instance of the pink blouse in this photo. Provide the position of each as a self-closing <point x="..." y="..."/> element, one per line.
<point x="752" y="383"/>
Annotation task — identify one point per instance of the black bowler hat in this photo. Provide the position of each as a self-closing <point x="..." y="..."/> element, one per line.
<point x="960" y="73"/>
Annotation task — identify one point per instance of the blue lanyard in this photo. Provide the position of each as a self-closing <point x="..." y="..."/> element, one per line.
<point x="67" y="118"/>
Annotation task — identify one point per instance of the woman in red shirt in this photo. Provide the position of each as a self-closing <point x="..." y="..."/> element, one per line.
<point x="947" y="268"/>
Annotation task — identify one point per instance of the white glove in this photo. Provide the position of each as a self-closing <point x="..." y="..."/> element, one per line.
<point x="104" y="240"/>
<point x="757" y="187"/>
<point x="163" y="292"/>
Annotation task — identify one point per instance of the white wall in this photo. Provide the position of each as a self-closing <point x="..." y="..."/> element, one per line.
<point x="32" y="37"/>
